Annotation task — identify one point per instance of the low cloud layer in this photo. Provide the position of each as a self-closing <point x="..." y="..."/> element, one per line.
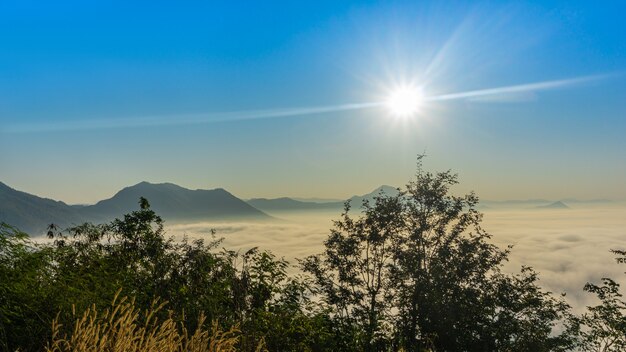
<point x="567" y="247"/>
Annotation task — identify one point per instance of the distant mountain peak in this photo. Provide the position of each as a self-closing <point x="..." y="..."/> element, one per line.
<point x="386" y="189"/>
<point x="145" y="188"/>
<point x="150" y="184"/>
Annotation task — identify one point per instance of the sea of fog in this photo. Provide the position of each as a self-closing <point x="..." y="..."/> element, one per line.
<point x="568" y="247"/>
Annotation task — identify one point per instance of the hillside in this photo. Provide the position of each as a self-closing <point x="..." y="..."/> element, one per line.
<point x="290" y="204"/>
<point x="555" y="205"/>
<point x="33" y="214"/>
<point x="173" y="203"/>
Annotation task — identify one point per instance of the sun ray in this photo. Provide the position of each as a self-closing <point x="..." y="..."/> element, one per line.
<point x="401" y="102"/>
<point x="190" y="119"/>
<point x="528" y="87"/>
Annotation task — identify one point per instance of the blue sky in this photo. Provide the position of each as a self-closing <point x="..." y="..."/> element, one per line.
<point x="96" y="96"/>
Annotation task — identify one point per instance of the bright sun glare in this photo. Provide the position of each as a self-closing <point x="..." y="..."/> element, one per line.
<point x="405" y="101"/>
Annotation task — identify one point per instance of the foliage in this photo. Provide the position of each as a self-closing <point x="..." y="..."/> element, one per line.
<point x="88" y="264"/>
<point x="411" y="272"/>
<point x="24" y="309"/>
<point x="603" y="327"/>
<point x="416" y="271"/>
<point x="123" y="327"/>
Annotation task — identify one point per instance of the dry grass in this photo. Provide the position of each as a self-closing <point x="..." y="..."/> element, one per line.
<point x="123" y="328"/>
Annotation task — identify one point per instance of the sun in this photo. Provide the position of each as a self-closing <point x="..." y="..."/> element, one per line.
<point x="405" y="101"/>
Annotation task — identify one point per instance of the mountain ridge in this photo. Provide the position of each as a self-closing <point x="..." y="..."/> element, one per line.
<point x="284" y="204"/>
<point x="554" y="205"/>
<point x="173" y="203"/>
<point x="27" y="211"/>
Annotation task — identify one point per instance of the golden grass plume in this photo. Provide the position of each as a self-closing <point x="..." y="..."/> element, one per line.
<point x="121" y="328"/>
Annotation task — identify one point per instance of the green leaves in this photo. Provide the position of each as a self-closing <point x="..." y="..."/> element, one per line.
<point x="416" y="271"/>
<point x="88" y="264"/>
<point x="603" y="327"/>
<point x="24" y="274"/>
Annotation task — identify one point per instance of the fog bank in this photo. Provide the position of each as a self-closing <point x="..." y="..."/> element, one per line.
<point x="568" y="247"/>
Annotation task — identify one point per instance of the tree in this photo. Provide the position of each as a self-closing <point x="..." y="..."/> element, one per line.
<point x="354" y="272"/>
<point x="417" y="271"/>
<point x="603" y="327"/>
<point x="23" y="269"/>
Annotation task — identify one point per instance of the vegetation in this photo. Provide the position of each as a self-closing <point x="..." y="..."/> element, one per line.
<point x="124" y="328"/>
<point x="603" y="327"/>
<point x="416" y="271"/>
<point x="89" y="264"/>
<point x="412" y="272"/>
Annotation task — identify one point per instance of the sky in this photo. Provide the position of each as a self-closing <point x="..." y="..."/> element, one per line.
<point x="270" y="99"/>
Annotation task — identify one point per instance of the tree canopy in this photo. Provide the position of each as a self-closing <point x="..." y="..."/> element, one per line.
<point x="416" y="271"/>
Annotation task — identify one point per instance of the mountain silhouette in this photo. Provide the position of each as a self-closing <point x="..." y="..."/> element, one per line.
<point x="357" y="201"/>
<point x="316" y="199"/>
<point x="173" y="203"/>
<point x="555" y="205"/>
<point x="290" y="204"/>
<point x="31" y="213"/>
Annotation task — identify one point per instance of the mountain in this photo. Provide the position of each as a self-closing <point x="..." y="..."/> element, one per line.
<point x="317" y="200"/>
<point x="33" y="214"/>
<point x="290" y="204"/>
<point x="555" y="205"/>
<point x="515" y="202"/>
<point x="173" y="203"/>
<point x="587" y="201"/>
<point x="384" y="189"/>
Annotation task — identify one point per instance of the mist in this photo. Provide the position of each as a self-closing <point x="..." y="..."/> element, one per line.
<point x="568" y="247"/>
